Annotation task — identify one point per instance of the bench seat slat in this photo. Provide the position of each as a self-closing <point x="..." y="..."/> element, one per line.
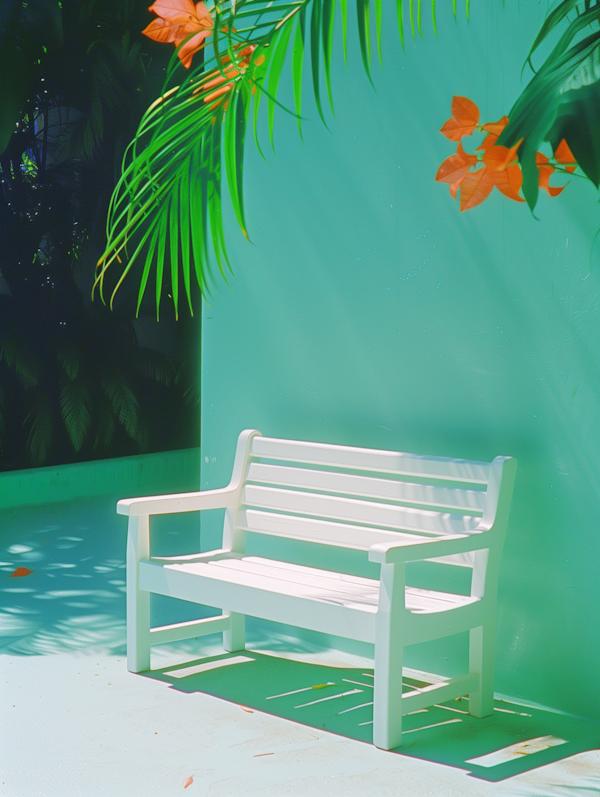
<point x="371" y="460"/>
<point x="368" y="487"/>
<point x="350" y="509"/>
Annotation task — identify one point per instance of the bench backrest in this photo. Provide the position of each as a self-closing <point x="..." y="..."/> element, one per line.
<point x="333" y="494"/>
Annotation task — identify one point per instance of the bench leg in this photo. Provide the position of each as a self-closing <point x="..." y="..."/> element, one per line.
<point x="389" y="649"/>
<point x="138" y="600"/>
<point x="481" y="663"/>
<point x="235" y="637"/>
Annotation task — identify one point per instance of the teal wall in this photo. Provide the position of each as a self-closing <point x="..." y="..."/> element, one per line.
<point x="370" y="312"/>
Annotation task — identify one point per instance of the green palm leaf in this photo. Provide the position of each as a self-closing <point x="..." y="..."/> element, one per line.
<point x="171" y="182"/>
<point x="75" y="401"/>
<point x="563" y="98"/>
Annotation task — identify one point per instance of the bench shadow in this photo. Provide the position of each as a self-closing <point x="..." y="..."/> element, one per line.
<point x="513" y="740"/>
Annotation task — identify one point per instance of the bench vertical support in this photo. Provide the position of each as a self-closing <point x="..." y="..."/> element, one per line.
<point x="235" y="637"/>
<point x="481" y="663"/>
<point x="234" y="540"/>
<point x="138" y="601"/>
<point x="389" y="648"/>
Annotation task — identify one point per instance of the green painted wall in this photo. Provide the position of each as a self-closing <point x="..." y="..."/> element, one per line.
<point x="371" y="312"/>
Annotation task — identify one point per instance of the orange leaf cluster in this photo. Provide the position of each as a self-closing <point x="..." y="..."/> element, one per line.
<point x="176" y="20"/>
<point x="496" y="166"/>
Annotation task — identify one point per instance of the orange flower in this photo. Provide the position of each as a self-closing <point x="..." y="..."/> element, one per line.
<point x="176" y="20"/>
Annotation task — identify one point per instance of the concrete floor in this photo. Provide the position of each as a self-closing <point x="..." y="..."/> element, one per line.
<point x="75" y="722"/>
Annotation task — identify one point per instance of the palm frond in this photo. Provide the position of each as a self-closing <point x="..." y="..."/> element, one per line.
<point x="123" y="402"/>
<point x="41" y="434"/>
<point x="563" y="98"/>
<point x="75" y="401"/>
<point x="165" y="217"/>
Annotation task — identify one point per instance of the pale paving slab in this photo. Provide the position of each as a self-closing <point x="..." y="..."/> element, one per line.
<point x="79" y="724"/>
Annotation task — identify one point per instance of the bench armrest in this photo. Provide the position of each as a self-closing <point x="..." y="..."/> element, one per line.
<point x="179" y="502"/>
<point x="394" y="552"/>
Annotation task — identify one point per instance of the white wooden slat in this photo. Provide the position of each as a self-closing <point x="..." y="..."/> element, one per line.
<point x="188" y="630"/>
<point x="352" y="589"/>
<point x="349" y="509"/>
<point x="422" y="698"/>
<point x="331" y="574"/>
<point x="324" y="532"/>
<point x="425" y="601"/>
<point x="366" y="486"/>
<point x="461" y="470"/>
<point x="276" y="584"/>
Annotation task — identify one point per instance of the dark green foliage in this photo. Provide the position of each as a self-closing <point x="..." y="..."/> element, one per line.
<point x="563" y="98"/>
<point x="74" y="382"/>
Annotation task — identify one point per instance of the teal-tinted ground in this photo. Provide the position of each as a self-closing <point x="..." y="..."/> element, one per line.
<point x="75" y="722"/>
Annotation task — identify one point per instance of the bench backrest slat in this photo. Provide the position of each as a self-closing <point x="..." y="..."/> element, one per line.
<point x="371" y="513"/>
<point x="449" y="498"/>
<point x="325" y="532"/>
<point x="365" y="459"/>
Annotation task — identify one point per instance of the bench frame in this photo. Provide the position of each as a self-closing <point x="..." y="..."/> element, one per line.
<point x="394" y="625"/>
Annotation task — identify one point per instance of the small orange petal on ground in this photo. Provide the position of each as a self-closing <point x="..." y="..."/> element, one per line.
<point x="21" y="571"/>
<point x="188" y="782"/>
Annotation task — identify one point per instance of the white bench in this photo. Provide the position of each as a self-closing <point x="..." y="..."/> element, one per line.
<point x="395" y="507"/>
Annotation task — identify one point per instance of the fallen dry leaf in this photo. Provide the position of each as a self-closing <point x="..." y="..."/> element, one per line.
<point x="321" y="686"/>
<point x="21" y="571"/>
<point x="188" y="782"/>
<point x="249" y="710"/>
<point x="258" y="755"/>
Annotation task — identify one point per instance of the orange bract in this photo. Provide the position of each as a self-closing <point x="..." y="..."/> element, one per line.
<point x="465" y="115"/>
<point x="545" y="170"/>
<point x="495" y="128"/>
<point x="563" y="154"/>
<point x="176" y="20"/>
<point x="509" y="182"/>
<point x="476" y="187"/>
<point x="456" y="166"/>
